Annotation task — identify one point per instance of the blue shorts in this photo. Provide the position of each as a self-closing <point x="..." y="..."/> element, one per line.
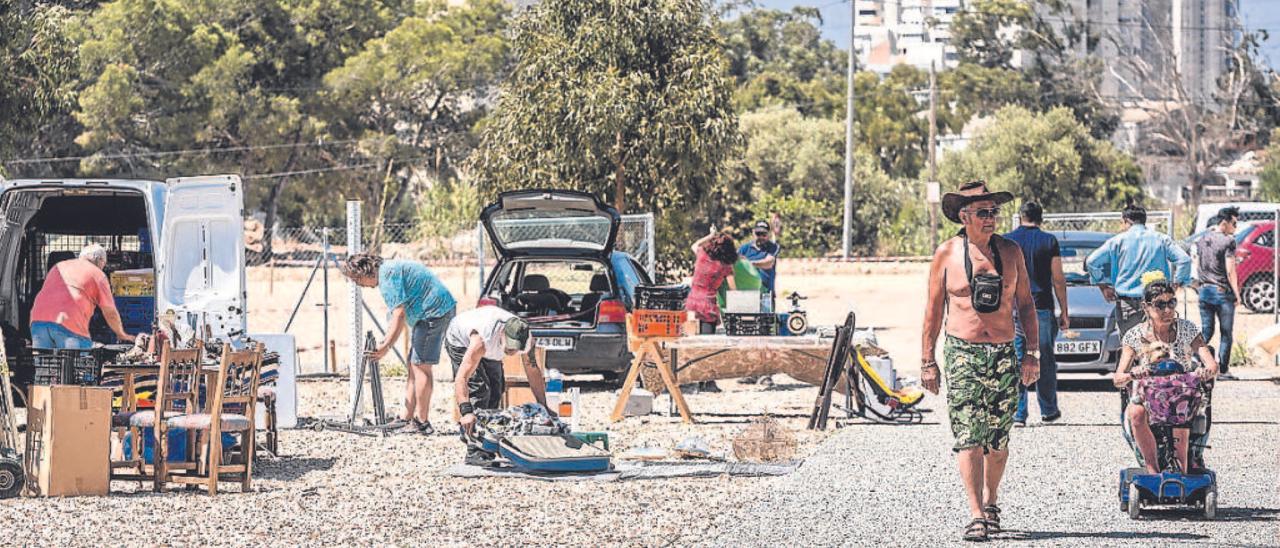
<point x="427" y="337"/>
<point x="53" y="336"/>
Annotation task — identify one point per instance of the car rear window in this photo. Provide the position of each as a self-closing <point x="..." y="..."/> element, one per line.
<point x="573" y="278"/>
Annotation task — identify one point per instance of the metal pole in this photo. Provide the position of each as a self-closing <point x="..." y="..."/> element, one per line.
<point x="355" y="346"/>
<point x="1275" y="270"/>
<point x="324" y="238"/>
<point x="649" y="236"/>
<point x="933" y="152"/>
<point x="846" y="238"/>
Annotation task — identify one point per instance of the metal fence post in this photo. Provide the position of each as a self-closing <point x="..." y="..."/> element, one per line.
<point x="651" y="243"/>
<point x="355" y="347"/>
<point x="1275" y="273"/>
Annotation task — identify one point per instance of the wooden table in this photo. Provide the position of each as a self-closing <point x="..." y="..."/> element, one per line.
<point x="666" y="354"/>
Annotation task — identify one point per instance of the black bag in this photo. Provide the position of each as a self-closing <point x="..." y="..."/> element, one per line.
<point x="985" y="289"/>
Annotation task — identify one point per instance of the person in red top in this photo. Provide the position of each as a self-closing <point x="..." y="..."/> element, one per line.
<point x="72" y="289"/>
<point x="715" y="257"/>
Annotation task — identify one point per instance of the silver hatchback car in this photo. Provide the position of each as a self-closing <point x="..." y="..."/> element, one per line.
<point x="1093" y="343"/>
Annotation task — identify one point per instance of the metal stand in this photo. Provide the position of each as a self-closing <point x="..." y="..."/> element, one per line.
<point x="836" y="364"/>
<point x="354" y="423"/>
<point x="322" y="262"/>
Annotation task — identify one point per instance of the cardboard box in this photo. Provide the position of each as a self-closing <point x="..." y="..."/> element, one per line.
<point x="68" y="441"/>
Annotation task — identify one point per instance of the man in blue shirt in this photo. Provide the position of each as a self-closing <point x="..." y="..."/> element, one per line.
<point x="762" y="253"/>
<point x="1117" y="267"/>
<point x="1043" y="258"/>
<point x="418" y="299"/>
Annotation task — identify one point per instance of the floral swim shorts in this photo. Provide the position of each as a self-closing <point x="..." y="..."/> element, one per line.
<point x="982" y="392"/>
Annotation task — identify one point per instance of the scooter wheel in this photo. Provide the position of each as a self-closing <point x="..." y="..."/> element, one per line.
<point x="318" y="426"/>
<point x="1211" y="504"/>
<point x="10" y="479"/>
<point x="1135" y="502"/>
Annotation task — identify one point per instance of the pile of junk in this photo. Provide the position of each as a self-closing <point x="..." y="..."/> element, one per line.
<point x="528" y="438"/>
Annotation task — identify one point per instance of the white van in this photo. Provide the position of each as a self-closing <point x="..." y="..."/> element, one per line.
<point x="1249" y="212"/>
<point x="190" y="230"/>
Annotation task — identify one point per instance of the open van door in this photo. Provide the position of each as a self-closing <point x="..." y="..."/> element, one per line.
<point x="200" y="271"/>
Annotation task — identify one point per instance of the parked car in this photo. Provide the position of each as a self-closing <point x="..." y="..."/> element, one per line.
<point x="1096" y="345"/>
<point x="190" y="230"/>
<point x="1255" y="249"/>
<point x="558" y="269"/>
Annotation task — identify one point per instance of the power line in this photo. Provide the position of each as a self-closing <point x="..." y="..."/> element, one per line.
<point x="175" y="152"/>
<point x="308" y="171"/>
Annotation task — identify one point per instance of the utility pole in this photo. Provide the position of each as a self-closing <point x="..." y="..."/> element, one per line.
<point x="933" y="151"/>
<point x="848" y="132"/>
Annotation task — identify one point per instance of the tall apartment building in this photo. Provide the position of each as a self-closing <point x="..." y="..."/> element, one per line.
<point x="1191" y="37"/>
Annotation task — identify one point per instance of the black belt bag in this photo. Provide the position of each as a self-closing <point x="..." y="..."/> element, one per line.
<point x="985" y="289"/>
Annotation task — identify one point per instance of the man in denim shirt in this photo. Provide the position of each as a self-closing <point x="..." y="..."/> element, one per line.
<point x="1219" y="286"/>
<point x="1117" y="267"/>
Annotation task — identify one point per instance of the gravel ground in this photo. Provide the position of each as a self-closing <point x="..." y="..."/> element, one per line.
<point x="860" y="485"/>
<point x="899" y="486"/>
<point x="333" y="488"/>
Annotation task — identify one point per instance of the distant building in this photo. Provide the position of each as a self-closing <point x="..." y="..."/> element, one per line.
<point x="1191" y="37"/>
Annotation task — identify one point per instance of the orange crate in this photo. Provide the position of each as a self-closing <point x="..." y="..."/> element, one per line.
<point x="658" y="323"/>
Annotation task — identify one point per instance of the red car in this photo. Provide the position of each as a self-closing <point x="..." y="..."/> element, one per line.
<point x="1256" y="251"/>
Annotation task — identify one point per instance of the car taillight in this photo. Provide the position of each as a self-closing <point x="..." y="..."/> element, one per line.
<point x="487" y="301"/>
<point x="611" y="312"/>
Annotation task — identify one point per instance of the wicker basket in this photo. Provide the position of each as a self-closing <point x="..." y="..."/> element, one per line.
<point x="764" y="440"/>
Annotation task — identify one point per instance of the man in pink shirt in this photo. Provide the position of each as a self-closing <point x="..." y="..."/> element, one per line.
<point x="61" y="313"/>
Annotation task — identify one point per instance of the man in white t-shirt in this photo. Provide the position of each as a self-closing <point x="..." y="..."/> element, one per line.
<point x="477" y="340"/>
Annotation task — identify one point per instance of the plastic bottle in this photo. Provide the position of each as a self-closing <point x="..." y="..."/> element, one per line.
<point x="555" y="385"/>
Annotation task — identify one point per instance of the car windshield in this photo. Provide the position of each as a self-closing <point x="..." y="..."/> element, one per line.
<point x="1244" y="232"/>
<point x="1073" y="256"/>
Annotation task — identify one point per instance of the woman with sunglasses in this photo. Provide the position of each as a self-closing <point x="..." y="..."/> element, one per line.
<point x="1184" y="341"/>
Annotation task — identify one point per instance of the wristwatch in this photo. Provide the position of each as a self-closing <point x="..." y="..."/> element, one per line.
<point x="1034" y="354"/>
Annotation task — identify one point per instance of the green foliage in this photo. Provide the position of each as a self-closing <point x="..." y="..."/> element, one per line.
<point x="1049" y="157"/>
<point x="621" y="98"/>
<point x="37" y="61"/>
<point x="445" y="209"/>
<point x="1269" y="176"/>
<point x="780" y="58"/>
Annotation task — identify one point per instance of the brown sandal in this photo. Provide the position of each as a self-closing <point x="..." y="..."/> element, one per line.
<point x="992" y="513"/>
<point x="976" y="531"/>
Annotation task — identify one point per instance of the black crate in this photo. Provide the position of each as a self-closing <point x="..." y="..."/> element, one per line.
<point x="661" y="297"/>
<point x="76" y="367"/>
<point x="757" y="325"/>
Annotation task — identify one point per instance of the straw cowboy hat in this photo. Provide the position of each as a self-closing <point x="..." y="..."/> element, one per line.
<point x="973" y="191"/>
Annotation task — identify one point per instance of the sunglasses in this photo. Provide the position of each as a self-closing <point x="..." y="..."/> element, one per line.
<point x="1169" y="304"/>
<point x="986" y="212"/>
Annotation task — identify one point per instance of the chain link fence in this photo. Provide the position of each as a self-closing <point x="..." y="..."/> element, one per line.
<point x="292" y="286"/>
<point x="1111" y="223"/>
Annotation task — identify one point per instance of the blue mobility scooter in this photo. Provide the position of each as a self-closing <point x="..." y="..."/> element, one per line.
<point x="1171" y="487"/>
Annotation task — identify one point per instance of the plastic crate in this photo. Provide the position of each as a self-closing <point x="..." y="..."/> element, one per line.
<point x="76" y="367"/>
<point x="661" y="297"/>
<point x="658" y="323"/>
<point x="136" y="313"/>
<point x="751" y="325"/>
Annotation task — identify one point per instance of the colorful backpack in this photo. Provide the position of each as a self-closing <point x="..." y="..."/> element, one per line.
<point x="1171" y="400"/>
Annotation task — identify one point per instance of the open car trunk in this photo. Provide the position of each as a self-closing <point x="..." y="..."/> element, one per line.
<point x="553" y="293"/>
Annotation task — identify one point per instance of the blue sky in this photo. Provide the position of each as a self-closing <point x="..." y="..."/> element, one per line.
<point x="835" y="20"/>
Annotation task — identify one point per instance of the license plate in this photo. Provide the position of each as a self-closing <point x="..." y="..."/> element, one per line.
<point x="555" y="343"/>
<point x="1077" y="347"/>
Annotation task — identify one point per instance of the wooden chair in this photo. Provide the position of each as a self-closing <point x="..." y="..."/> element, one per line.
<point x="267" y="396"/>
<point x="181" y="368"/>
<point x="231" y="396"/>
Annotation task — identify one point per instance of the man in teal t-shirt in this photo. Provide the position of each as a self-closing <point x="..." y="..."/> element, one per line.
<point x="418" y="299"/>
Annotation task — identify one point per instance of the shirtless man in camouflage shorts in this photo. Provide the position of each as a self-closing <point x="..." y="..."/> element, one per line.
<point x="982" y="377"/>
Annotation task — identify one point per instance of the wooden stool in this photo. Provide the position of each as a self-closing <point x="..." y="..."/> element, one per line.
<point x="649" y="349"/>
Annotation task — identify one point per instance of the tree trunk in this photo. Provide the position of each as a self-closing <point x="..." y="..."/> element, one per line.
<point x="272" y="205"/>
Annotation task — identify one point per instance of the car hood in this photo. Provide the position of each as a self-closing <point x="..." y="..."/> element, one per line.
<point x="1087" y="300"/>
